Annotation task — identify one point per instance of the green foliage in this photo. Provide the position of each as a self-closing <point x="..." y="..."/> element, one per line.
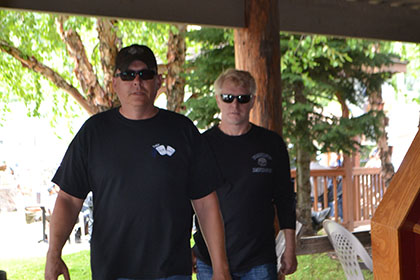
<point x="154" y="35"/>
<point x="410" y="54"/>
<point x="204" y="111"/>
<point x="214" y="53"/>
<point x="324" y="69"/>
<point x="36" y="35"/>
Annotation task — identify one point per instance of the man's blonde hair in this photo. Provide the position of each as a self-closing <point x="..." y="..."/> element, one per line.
<point x="238" y="77"/>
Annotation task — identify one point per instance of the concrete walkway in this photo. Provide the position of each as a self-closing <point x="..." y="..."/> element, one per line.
<point x="21" y="240"/>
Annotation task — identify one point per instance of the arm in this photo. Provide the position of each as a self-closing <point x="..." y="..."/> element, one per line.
<point x="211" y="224"/>
<point x="288" y="259"/>
<point x="64" y="217"/>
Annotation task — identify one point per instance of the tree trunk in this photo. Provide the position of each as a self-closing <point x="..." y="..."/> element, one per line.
<point x="348" y="163"/>
<point x="304" y="203"/>
<point x="83" y="69"/>
<point x="303" y="162"/>
<point x="175" y="82"/>
<point x="387" y="172"/>
<point x="257" y="50"/>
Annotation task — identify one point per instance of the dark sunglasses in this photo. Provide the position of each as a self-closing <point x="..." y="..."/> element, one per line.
<point x="228" y="98"/>
<point x="130" y="75"/>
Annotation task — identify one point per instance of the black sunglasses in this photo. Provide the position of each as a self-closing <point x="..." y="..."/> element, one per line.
<point x="130" y="75"/>
<point x="228" y="98"/>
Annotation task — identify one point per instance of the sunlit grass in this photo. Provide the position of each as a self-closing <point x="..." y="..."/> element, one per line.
<point x="311" y="267"/>
<point x="321" y="267"/>
<point x="33" y="268"/>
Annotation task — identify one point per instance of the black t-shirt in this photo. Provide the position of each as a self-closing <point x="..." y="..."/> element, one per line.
<point x="142" y="174"/>
<point x="256" y="171"/>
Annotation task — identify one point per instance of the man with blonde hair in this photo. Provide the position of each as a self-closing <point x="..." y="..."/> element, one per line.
<point x="255" y="167"/>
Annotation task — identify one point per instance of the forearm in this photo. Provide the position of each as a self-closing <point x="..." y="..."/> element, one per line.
<point x="290" y="237"/>
<point x="288" y="259"/>
<point x="211" y="224"/>
<point x="64" y="217"/>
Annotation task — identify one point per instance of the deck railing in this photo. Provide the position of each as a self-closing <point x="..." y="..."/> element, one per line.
<point x="328" y="187"/>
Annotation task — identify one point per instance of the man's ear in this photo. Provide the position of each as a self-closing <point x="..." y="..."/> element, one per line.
<point x="218" y="100"/>
<point x="254" y="96"/>
<point x="159" y="81"/>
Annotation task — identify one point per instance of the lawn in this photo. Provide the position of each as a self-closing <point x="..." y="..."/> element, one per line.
<point x="33" y="268"/>
<point x="311" y="267"/>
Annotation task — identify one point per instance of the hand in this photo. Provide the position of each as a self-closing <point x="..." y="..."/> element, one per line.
<point x="288" y="263"/>
<point x="55" y="267"/>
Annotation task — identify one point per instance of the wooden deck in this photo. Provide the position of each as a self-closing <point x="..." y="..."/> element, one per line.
<point x="366" y="189"/>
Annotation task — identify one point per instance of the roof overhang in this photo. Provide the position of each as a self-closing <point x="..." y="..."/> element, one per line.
<point x="394" y="20"/>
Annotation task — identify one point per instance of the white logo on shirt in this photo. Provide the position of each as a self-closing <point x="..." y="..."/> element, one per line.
<point x="162" y="150"/>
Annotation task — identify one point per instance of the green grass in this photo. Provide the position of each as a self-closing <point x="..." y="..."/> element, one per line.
<point x="321" y="267"/>
<point x="33" y="268"/>
<point x="310" y="267"/>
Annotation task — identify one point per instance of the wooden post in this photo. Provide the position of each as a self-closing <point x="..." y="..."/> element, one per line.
<point x="348" y="212"/>
<point x="257" y="50"/>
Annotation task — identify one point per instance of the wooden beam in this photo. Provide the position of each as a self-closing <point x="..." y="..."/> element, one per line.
<point x="350" y="19"/>
<point x="321" y="244"/>
<point x="201" y="12"/>
<point x="359" y="19"/>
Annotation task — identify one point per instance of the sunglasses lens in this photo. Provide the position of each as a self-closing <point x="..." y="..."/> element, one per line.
<point x="146" y="74"/>
<point x="127" y="75"/>
<point x="228" y="98"/>
<point x="243" y="98"/>
<point x="130" y="75"/>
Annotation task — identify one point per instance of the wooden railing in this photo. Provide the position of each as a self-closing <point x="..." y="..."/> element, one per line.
<point x="328" y="189"/>
<point x="369" y="189"/>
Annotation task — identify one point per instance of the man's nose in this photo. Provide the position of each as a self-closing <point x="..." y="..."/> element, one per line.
<point x="137" y="79"/>
<point x="235" y="102"/>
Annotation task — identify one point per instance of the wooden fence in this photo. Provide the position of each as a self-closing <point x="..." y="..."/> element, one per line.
<point x="329" y="188"/>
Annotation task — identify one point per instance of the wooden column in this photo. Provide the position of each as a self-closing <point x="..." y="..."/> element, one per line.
<point x="348" y="193"/>
<point x="257" y="50"/>
<point x="396" y="223"/>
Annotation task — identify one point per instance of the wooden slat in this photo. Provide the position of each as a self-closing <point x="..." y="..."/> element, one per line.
<point x="326" y="191"/>
<point x="315" y="190"/>
<point x="357" y="198"/>
<point x="335" y="200"/>
<point x="413" y="227"/>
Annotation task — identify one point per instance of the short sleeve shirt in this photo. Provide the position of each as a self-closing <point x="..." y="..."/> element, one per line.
<point x="143" y="174"/>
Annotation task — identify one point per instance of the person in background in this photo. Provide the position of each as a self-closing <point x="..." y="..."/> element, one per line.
<point x="145" y="167"/>
<point x="255" y="166"/>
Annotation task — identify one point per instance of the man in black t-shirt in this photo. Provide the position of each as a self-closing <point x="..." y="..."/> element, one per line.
<point x="144" y="166"/>
<point x="255" y="167"/>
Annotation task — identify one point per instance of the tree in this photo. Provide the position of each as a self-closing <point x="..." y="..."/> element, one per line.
<point x="316" y="70"/>
<point x="214" y="53"/>
<point x="175" y="81"/>
<point x="75" y="54"/>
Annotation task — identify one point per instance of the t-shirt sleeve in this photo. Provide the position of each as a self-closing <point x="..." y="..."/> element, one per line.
<point x="284" y="195"/>
<point x="72" y="174"/>
<point x="205" y="175"/>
